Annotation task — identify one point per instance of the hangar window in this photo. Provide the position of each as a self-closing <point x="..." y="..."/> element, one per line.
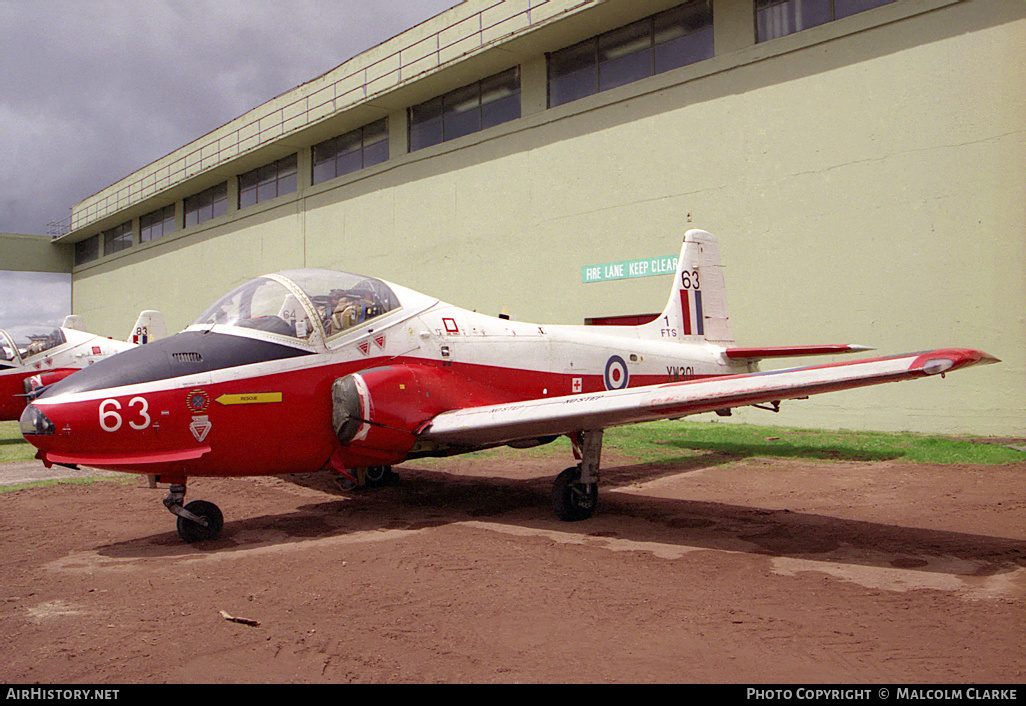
<point x="355" y="150"/>
<point x="665" y="41"/>
<point x="87" y="250"/>
<point x="469" y="109"/>
<point x="117" y="239"/>
<point x="206" y="205"/>
<point x="156" y="224"/>
<point x="268" y="182"/>
<point x="777" y="18"/>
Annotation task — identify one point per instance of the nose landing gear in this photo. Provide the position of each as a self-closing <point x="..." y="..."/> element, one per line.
<point x="198" y="521"/>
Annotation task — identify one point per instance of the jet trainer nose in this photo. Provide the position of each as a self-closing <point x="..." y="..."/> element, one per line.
<point x="34" y="423"/>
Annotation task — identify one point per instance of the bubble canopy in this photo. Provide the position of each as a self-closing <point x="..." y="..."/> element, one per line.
<point x="300" y="303"/>
<point x="21" y="342"/>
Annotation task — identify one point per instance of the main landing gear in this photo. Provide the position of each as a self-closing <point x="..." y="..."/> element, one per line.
<point x="199" y="520"/>
<point x="575" y="491"/>
<point x="377" y="476"/>
<point x="370" y="477"/>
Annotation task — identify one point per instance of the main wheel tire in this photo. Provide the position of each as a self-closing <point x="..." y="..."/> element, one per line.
<point x="571" y="499"/>
<point x="377" y="476"/>
<point x="193" y="531"/>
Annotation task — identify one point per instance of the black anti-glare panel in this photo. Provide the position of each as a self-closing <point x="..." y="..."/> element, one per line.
<point x="185" y="353"/>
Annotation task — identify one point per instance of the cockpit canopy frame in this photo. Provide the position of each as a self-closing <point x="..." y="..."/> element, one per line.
<point x="21" y="343"/>
<point x="302" y="305"/>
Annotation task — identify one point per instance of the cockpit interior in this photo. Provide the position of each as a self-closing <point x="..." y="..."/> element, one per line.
<point x="20" y="343"/>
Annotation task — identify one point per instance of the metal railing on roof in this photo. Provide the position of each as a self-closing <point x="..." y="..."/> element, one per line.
<point x="353" y="87"/>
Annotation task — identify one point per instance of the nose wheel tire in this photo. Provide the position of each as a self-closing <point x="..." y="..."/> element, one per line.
<point x="192" y="531"/>
<point x="571" y="499"/>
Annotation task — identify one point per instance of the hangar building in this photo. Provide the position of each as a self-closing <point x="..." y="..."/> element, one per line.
<point x="861" y="162"/>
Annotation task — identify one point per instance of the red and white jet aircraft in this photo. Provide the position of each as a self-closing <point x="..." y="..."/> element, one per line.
<point x="32" y="357"/>
<point x="309" y="369"/>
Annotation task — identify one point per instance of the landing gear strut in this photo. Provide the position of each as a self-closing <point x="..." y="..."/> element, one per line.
<point x="575" y="491"/>
<point x="199" y="520"/>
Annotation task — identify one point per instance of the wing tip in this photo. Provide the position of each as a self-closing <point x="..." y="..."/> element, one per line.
<point x="947" y="359"/>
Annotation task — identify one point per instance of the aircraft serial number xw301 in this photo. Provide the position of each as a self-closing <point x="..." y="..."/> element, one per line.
<point x="306" y="369"/>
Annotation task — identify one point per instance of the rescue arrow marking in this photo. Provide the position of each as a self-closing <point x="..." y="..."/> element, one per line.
<point x="249" y="398"/>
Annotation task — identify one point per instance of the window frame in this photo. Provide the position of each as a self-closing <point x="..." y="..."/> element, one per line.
<point x="206" y="205"/>
<point x="815" y="14"/>
<point x="465" y="110"/>
<point x="156" y="224"/>
<point x="363" y="145"/>
<point x="630" y="53"/>
<point x="87" y="250"/>
<point x="118" y="238"/>
<point x="269" y="181"/>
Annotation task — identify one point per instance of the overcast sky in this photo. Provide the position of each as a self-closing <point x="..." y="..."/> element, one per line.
<point x="34" y="298"/>
<point x="92" y="90"/>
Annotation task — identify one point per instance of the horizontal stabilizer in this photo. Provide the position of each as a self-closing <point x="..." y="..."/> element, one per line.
<point x="791" y="351"/>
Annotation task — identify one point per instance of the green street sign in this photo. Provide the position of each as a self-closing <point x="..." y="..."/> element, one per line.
<point x="648" y="267"/>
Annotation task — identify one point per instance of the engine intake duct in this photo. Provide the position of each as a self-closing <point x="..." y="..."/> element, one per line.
<point x="347" y="407"/>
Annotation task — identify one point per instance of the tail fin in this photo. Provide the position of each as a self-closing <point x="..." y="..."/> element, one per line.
<point x="697" y="308"/>
<point x="148" y="327"/>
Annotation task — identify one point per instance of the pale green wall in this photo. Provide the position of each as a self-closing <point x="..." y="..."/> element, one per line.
<point x="867" y="190"/>
<point x="33" y="253"/>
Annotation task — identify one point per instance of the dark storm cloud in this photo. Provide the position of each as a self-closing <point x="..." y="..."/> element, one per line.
<point x="93" y="90"/>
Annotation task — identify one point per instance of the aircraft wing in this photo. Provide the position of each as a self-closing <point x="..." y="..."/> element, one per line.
<point x="503" y="423"/>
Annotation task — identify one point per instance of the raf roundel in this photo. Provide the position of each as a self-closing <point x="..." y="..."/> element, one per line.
<point x="616" y="373"/>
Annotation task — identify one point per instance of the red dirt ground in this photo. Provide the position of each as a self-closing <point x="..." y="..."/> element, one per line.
<point x="709" y="569"/>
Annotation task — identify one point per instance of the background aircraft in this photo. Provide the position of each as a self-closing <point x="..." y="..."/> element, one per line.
<point x="309" y="369"/>
<point x="32" y="357"/>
